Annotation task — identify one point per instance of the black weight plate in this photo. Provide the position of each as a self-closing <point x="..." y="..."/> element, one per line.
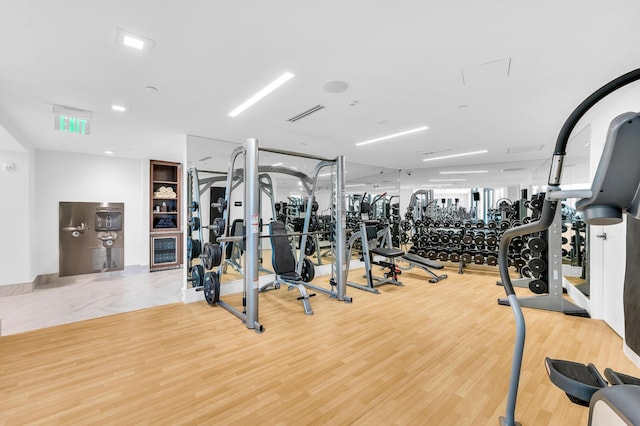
<point x="467" y="239"/>
<point x="222" y="204"/>
<point x="432" y="254"/>
<point x="526" y="272"/>
<point x="565" y="252"/>
<point x="565" y="240"/>
<point x="466" y="258"/>
<point x="454" y="257"/>
<point x="434" y="238"/>
<point x="443" y="256"/>
<point x="195" y="223"/>
<point x="219" y="226"/>
<point x="308" y="270"/>
<point x="480" y="224"/>
<point x="436" y="224"/>
<point x="423" y="253"/>
<point x="194" y="206"/>
<point x="197" y="276"/>
<point x="538" y="286"/>
<point x="189" y="248"/>
<point x="517" y="243"/>
<point x="492" y="260"/>
<point x="504" y="225"/>
<point x="444" y="238"/>
<point x="196" y="248"/>
<point x="457" y="224"/>
<point x="455" y="238"/>
<point x="515" y="223"/>
<point x="478" y="239"/>
<point x="492" y="224"/>
<point x="207" y="256"/>
<point x="211" y="288"/>
<point x="519" y="263"/>
<point x="537" y="244"/>
<point x="310" y="246"/>
<point x="446" y="224"/>
<point x="526" y="253"/>
<point x="537" y="265"/>
<point x="468" y="224"/>
<point x="478" y="259"/>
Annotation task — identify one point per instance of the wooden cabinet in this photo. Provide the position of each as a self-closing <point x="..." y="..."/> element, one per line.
<point x="165" y="222"/>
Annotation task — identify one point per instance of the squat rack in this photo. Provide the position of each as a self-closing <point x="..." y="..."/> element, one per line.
<point x="250" y="175"/>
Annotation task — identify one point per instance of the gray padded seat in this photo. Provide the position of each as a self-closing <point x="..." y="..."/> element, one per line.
<point x="616" y="180"/>
<point x="387" y="252"/>
<point x="615" y="405"/>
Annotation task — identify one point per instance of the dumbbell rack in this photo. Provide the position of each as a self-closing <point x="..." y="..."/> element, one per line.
<point x="554" y="300"/>
<point x="464" y="242"/>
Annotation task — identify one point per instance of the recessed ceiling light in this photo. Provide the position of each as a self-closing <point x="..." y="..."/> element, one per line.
<point x="108" y="151"/>
<point x="276" y="165"/>
<point x="262" y="93"/>
<point x="134" y="41"/>
<point x="447" y="180"/>
<point x="395" y="135"/>
<point x="118" y="108"/>
<point x="455" y="155"/>
<point x="464" y="172"/>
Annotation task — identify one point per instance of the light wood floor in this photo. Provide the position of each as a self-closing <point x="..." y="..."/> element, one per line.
<point x="421" y="354"/>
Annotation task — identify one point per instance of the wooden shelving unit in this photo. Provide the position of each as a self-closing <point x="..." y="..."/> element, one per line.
<point x="165" y="222"/>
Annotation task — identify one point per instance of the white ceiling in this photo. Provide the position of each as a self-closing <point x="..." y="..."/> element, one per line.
<point x="492" y="75"/>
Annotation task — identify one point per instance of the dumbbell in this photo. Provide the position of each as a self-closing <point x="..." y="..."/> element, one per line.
<point x="443" y="256"/>
<point x="480" y="224"/>
<point x="454" y="256"/>
<point x="491" y="239"/>
<point x="478" y="238"/>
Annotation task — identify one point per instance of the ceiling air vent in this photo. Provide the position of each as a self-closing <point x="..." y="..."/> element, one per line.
<point x="306" y="113"/>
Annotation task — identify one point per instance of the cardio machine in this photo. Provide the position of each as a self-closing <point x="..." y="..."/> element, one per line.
<point x="615" y="190"/>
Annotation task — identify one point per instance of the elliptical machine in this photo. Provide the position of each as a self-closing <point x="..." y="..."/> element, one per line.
<point x="612" y="194"/>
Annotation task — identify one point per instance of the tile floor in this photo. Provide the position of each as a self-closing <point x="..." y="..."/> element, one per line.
<point x="88" y="296"/>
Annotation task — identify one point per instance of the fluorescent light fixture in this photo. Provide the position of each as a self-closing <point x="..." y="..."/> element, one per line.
<point x="395" y="135"/>
<point x="262" y="93"/>
<point x="108" y="151"/>
<point x="455" y="155"/>
<point x="438" y="185"/>
<point x="353" y="185"/>
<point x="447" y="180"/>
<point x="118" y="108"/>
<point x="133" y="42"/>
<point x="466" y="172"/>
<point x="276" y="165"/>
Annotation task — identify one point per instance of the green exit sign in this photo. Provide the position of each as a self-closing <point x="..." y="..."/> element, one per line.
<point x="71" y="120"/>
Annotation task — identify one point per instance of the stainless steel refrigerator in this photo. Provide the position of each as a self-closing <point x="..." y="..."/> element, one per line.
<point x="91" y="237"/>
